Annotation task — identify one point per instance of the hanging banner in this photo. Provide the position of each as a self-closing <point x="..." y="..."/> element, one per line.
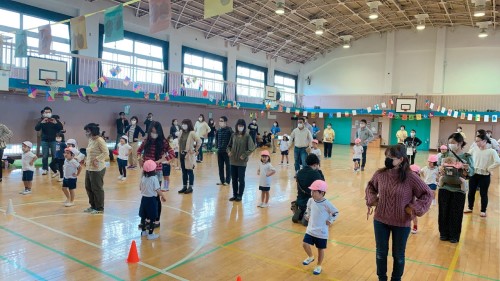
<point x="32" y="92"/>
<point x="44" y="39"/>
<point x="78" y="31"/>
<point x="217" y="7"/>
<point x="320" y="115"/>
<point x="160" y="15"/>
<point x="494" y="118"/>
<point x="113" y="24"/>
<point x="21" y="44"/>
<point x="66" y="96"/>
<point x="486" y="118"/>
<point x="339" y="114"/>
<point x="369" y="109"/>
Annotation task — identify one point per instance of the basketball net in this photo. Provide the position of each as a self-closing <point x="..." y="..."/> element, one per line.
<point x="53" y="85"/>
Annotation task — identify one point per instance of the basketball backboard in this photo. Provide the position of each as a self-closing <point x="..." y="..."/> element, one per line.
<point x="270" y="93"/>
<point x="406" y="105"/>
<point x="40" y="69"/>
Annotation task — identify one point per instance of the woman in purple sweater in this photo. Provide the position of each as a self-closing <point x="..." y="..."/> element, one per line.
<point x="396" y="193"/>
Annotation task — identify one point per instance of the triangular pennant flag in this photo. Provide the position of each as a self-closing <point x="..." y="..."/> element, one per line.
<point x="167" y="97"/>
<point x="443" y="109"/>
<point x="411" y="117"/>
<point x="160" y="15"/>
<point x="126" y="81"/>
<point x="78" y="31"/>
<point x="32" y="92"/>
<point x="205" y="93"/>
<point x="104" y="80"/>
<point x="376" y="107"/>
<point x="66" y="96"/>
<point x="450" y="111"/>
<point x="320" y="115"/>
<point x="391" y="102"/>
<point x="81" y="92"/>
<point x="425" y="116"/>
<point x="297" y="112"/>
<point x="486" y="118"/>
<point x="93" y="87"/>
<point x="404" y="117"/>
<point x="21" y="44"/>
<point x="136" y="88"/>
<point x="426" y="102"/>
<point x="369" y="109"/>
<point x="313" y="115"/>
<point x="383" y="105"/>
<point x="397" y="116"/>
<point x="44" y="39"/>
<point x="50" y="96"/>
<point x="494" y="118"/>
<point x="288" y="110"/>
<point x="455" y="114"/>
<point x="339" y="114"/>
<point x="431" y="114"/>
<point x="438" y="108"/>
<point x="304" y="113"/>
<point x="217" y="7"/>
<point x="346" y="114"/>
<point x="384" y="112"/>
<point x="113" y="24"/>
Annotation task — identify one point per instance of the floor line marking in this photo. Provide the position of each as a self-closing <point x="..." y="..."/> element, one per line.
<point x="17" y="266"/>
<point x="454" y="260"/>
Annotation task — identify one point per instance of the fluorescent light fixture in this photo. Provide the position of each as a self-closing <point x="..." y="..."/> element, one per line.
<point x="421" y="21"/>
<point x="280" y="7"/>
<point x="483" y="33"/>
<point x="483" y="27"/>
<point x="479" y="8"/>
<point x="373" y="9"/>
<point x="319" y="23"/>
<point x="346" y="41"/>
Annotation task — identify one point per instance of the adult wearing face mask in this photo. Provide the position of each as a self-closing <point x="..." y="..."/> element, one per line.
<point x="301" y="137"/>
<point x="175" y="129"/>
<point x="189" y="146"/>
<point x="493" y="142"/>
<point x="275" y="130"/>
<point x="366" y="136"/>
<point x="202" y="129"/>
<point x="211" y="134"/>
<point x="5" y="135"/>
<point x="328" y="139"/>
<point x="305" y="177"/>
<point x="134" y="132"/>
<point x="315" y="131"/>
<point x="402" y="134"/>
<point x="148" y="121"/>
<point x="459" y="130"/>
<point x="397" y="194"/>
<point x="121" y="126"/>
<point x="49" y="127"/>
<point x="451" y="198"/>
<point x="253" y="130"/>
<point x="485" y="160"/>
<point x="411" y="144"/>
<point x="221" y="141"/>
<point x="239" y="148"/>
<point x="97" y="152"/>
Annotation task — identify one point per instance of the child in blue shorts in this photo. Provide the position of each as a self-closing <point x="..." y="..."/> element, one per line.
<point x="28" y="165"/>
<point x="321" y="214"/>
<point x="71" y="169"/>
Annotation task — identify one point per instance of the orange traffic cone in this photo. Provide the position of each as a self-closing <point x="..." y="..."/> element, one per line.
<point x="133" y="257"/>
<point x="238" y="278"/>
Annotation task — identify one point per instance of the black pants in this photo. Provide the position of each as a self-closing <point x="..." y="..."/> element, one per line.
<point x="200" y="153"/>
<point x="223" y="159"/>
<point x="238" y="177"/>
<point x="57" y="165"/>
<point x="328" y="149"/>
<point x="412" y="158"/>
<point x="1" y="156"/>
<point x="363" y="162"/>
<point x="187" y="174"/>
<point x="122" y="167"/>
<point x="451" y="212"/>
<point x="159" y="207"/>
<point x="483" y="183"/>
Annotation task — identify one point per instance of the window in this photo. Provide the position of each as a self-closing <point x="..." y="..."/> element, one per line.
<point x="250" y="80"/>
<point x="146" y="58"/>
<point x="287" y="85"/>
<point x="203" y="70"/>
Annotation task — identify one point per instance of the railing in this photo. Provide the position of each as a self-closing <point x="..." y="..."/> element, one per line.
<point x="83" y="70"/>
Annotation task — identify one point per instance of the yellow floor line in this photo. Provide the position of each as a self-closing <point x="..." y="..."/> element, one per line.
<point x="454" y="261"/>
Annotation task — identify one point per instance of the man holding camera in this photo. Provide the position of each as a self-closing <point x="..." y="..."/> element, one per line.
<point x="49" y="127"/>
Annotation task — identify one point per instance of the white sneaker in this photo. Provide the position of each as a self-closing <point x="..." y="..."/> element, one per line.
<point x="26" y="191"/>
<point x="123" y="178"/>
<point x="153" y="236"/>
<point x="433" y="202"/>
<point x="467" y="211"/>
<point x="483" y="214"/>
<point x="260" y="205"/>
<point x="54" y="174"/>
<point x="88" y="210"/>
<point x="59" y="179"/>
<point x="144" y="233"/>
<point x="308" y="261"/>
<point x="44" y="172"/>
<point x="264" y="205"/>
<point x="120" y="177"/>
<point x="68" y="204"/>
<point x="317" y="270"/>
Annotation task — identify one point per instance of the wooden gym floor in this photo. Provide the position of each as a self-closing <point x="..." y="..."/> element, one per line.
<point x="203" y="236"/>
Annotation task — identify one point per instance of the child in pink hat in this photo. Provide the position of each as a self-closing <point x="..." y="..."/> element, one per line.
<point x="265" y="171"/>
<point x="320" y="213"/>
<point x="357" y="154"/>
<point x="150" y="189"/>
<point x="430" y="174"/>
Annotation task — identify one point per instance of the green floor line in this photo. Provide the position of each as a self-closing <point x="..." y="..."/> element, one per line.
<point x="61" y="253"/>
<point x="17" y="266"/>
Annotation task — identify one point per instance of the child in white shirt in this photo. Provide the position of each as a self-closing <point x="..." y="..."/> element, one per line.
<point x="320" y="213"/>
<point x="357" y="155"/>
<point x="150" y="189"/>
<point x="78" y="156"/>
<point x="315" y="149"/>
<point x="284" y="147"/>
<point x="165" y="168"/>
<point x="265" y="171"/>
<point x="123" y="151"/>
<point x="430" y="175"/>
<point x="28" y="166"/>
<point x="71" y="171"/>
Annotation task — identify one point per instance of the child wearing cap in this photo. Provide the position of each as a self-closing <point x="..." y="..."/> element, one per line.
<point x="315" y="149"/>
<point x="265" y="171"/>
<point x="320" y="213"/>
<point x="78" y="155"/>
<point x="123" y="151"/>
<point x="357" y="154"/>
<point x="72" y="169"/>
<point x="442" y="154"/>
<point x="150" y="189"/>
<point x="28" y="160"/>
<point x="430" y="174"/>
<point x="284" y="148"/>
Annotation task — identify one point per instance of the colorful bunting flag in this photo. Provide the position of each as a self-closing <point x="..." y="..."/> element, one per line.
<point x="384" y="105"/>
<point x="44" y="39"/>
<point x="297" y="112"/>
<point x="431" y="106"/>
<point x="200" y="86"/>
<point x="81" y="93"/>
<point x="304" y="114"/>
<point x="157" y="97"/>
<point x="411" y="117"/>
<point x="280" y="108"/>
<point x="469" y="116"/>
<point x="486" y="118"/>
<point x="404" y="117"/>
<point x="455" y="114"/>
<point x="93" y="87"/>
<point x="313" y="115"/>
<point x="478" y="117"/>
<point x="354" y="113"/>
<point x="32" y="92"/>
<point x="50" y="96"/>
<point x="426" y="102"/>
<point x="205" y="93"/>
<point x="167" y="97"/>
<point x="431" y="114"/>
<point x="136" y="88"/>
<point x="113" y="24"/>
<point x="288" y="110"/>
<point x="418" y="117"/>
<point x="443" y="109"/>
<point x="66" y="96"/>
<point x="376" y="107"/>
<point x="462" y="115"/>
<point x="160" y="15"/>
<point x="384" y="112"/>
<point x="78" y="32"/>
<point x="320" y="115"/>
<point x="146" y="95"/>
<point x="175" y="93"/>
<point x="339" y="114"/>
<point x="104" y="80"/>
<point x="390" y="115"/>
<point x="217" y="7"/>
<point x="397" y="116"/>
<point x="450" y="111"/>
<point x="126" y="81"/>
<point x="494" y="118"/>
<point x="369" y="109"/>
<point x="346" y="114"/>
<point x="21" y="44"/>
<point x="391" y="102"/>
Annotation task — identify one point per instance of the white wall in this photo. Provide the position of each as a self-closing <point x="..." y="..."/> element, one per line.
<point x="434" y="61"/>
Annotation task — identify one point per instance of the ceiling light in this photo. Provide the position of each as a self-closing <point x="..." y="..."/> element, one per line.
<point x="483" y="26"/>
<point x="421" y="21"/>
<point x="479" y="8"/>
<point x="319" y="23"/>
<point x="483" y="33"/>
<point x="373" y="9"/>
<point x="346" y="41"/>
<point x="280" y="7"/>
<point x="319" y="31"/>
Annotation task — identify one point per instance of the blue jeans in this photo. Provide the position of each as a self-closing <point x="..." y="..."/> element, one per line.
<point x="300" y="155"/>
<point x="45" y="153"/>
<point x="399" y="238"/>
<point x="210" y="143"/>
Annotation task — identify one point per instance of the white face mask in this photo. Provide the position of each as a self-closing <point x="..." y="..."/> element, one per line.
<point x="241" y="128"/>
<point x="222" y="124"/>
<point x="329" y="127"/>
<point x="254" y="122"/>
<point x="362" y="125"/>
<point x="133" y="122"/>
<point x="488" y="135"/>
<point x="184" y="127"/>
<point x="275" y="125"/>
<point x="459" y="130"/>
<point x="300" y="125"/>
<point x="154" y="136"/>
<point x="314" y="125"/>
<point x="87" y="134"/>
<point x="402" y="129"/>
<point x="201" y="119"/>
<point x="453" y="146"/>
<point x="412" y="134"/>
<point x="47" y="115"/>
<point x="58" y="139"/>
<point x="175" y="123"/>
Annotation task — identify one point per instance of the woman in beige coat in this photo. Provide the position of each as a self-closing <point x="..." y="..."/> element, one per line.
<point x="189" y="145"/>
<point x="202" y="129"/>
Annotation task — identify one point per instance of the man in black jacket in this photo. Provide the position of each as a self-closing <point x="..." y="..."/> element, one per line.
<point x="222" y="138"/>
<point x="305" y="177"/>
<point x="49" y="126"/>
<point x="121" y="126"/>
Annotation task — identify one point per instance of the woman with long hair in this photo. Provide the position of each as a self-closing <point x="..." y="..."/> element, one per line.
<point x="202" y="129"/>
<point x="189" y="146"/>
<point x="397" y="194"/>
<point x="175" y="129"/>
<point x="134" y="133"/>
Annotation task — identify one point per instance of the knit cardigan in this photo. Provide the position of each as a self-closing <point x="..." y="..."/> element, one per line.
<point x="390" y="196"/>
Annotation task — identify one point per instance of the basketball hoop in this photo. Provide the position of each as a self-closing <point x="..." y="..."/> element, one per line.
<point x="53" y="84"/>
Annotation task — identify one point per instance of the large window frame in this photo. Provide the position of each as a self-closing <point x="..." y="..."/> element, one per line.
<point x="247" y="84"/>
<point x="286" y="87"/>
<point x="209" y="67"/>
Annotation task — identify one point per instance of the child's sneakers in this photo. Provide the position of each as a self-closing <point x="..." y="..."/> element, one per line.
<point x="260" y="205"/>
<point x="69" y="204"/>
<point x="96" y="212"/>
<point x="144" y="233"/>
<point x="60" y="179"/>
<point x="88" y="210"/>
<point x="153" y="236"/>
<point x="483" y="214"/>
<point x="317" y="270"/>
<point x="55" y="174"/>
<point x="308" y="261"/>
<point x="123" y="178"/>
<point x="414" y="229"/>
<point x="264" y="205"/>
<point x="44" y="172"/>
<point x="25" y="192"/>
<point x="120" y="177"/>
<point x="467" y="211"/>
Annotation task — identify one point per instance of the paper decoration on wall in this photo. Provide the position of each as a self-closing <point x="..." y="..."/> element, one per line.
<point x="217" y="7"/>
<point x="369" y="109"/>
<point x="376" y="107"/>
<point x="126" y="81"/>
<point x="228" y="105"/>
<point x="411" y="117"/>
<point x="81" y="92"/>
<point x="478" y="117"/>
<point x="455" y="114"/>
<point x="268" y="105"/>
<point x="160" y="15"/>
<point x="50" y="96"/>
<point x="450" y="111"/>
<point x="146" y="95"/>
<point x="404" y="117"/>
<point x="443" y="109"/>
<point x="397" y="116"/>
<point x="205" y="93"/>
<point x="425" y="116"/>
<point x="391" y="102"/>
<point x="339" y="114"/>
<point x="44" y="39"/>
<point x="431" y="114"/>
<point x="462" y="115"/>
<point x="288" y="110"/>
<point x="384" y="112"/>
<point x="32" y="92"/>
<point x="431" y="106"/>
<point x="320" y="115"/>
<point x="469" y="116"/>
<point x="66" y="96"/>
<point x="426" y="102"/>
<point x="346" y="114"/>
<point x="175" y="93"/>
<point x="93" y="87"/>
<point x="104" y="80"/>
<point x="494" y="118"/>
<point x="113" y="72"/>
<point x="384" y="105"/>
<point x="486" y="118"/>
<point x="313" y="115"/>
<point x="390" y="115"/>
<point x="238" y="105"/>
<point x="280" y="108"/>
<point x="438" y="108"/>
<point x="78" y="31"/>
<point x="136" y="88"/>
<point x="418" y="117"/>
<point x="354" y="113"/>
<point x="21" y="44"/>
<point x="113" y="24"/>
<point x="297" y="112"/>
<point x="304" y="114"/>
